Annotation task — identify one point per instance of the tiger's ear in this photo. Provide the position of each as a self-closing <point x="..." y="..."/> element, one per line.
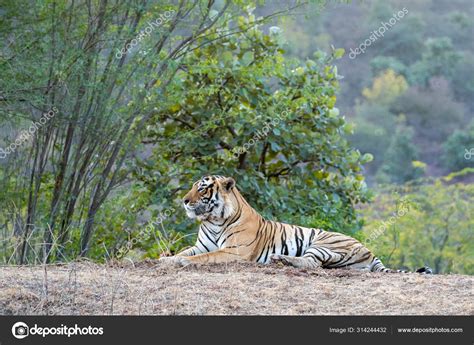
<point x="228" y="183"/>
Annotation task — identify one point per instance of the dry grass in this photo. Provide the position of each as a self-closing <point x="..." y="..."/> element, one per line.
<point x="234" y="289"/>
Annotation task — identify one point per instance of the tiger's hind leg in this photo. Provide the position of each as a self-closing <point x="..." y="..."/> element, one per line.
<point x="313" y="257"/>
<point x="295" y="261"/>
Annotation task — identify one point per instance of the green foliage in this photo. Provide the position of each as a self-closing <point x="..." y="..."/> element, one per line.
<point x="404" y="39"/>
<point x="240" y="108"/>
<point x="382" y="63"/>
<point x="106" y="76"/>
<point x="435" y="230"/>
<point x="427" y="47"/>
<point x="371" y="133"/>
<point x="432" y="111"/>
<point x="463" y="80"/>
<point x="439" y="59"/>
<point x="386" y="87"/>
<point x="132" y="134"/>
<point x="458" y="150"/>
<point x="398" y="164"/>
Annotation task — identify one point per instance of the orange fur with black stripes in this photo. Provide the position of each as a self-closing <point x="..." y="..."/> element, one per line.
<point x="232" y="230"/>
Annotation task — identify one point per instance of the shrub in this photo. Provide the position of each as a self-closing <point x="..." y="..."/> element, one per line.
<point x="458" y="149"/>
<point x="435" y="228"/>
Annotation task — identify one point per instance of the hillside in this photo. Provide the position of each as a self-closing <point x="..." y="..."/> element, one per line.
<point x="148" y="288"/>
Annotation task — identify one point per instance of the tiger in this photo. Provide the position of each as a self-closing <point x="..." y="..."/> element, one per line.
<point x="232" y="230"/>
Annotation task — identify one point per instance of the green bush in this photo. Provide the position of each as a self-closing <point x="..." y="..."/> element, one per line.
<point x="240" y="108"/>
<point x="458" y="150"/>
<point x="428" y="224"/>
<point x="382" y="63"/>
<point x="398" y="166"/>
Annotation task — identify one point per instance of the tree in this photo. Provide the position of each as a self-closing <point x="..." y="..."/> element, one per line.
<point x="431" y="111"/>
<point x="374" y="120"/>
<point x="458" y="150"/>
<point x="382" y="63"/>
<point x="240" y="108"/>
<point x="386" y="87"/>
<point x="398" y="164"/>
<point x="98" y="63"/>
<point x="404" y="36"/>
<point x="423" y="224"/>
<point x="438" y="60"/>
<point x="463" y="80"/>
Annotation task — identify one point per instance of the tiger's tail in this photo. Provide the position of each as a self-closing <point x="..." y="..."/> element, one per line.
<point x="378" y="266"/>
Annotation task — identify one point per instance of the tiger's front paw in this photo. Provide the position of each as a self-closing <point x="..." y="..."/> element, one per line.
<point x="280" y="259"/>
<point x="179" y="261"/>
<point x="274" y="258"/>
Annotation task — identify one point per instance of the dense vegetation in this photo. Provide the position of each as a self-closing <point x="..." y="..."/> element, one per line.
<point x="409" y="95"/>
<point x="145" y="97"/>
<point x="427" y="223"/>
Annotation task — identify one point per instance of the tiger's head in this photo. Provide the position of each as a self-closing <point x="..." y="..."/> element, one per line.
<point x="210" y="197"/>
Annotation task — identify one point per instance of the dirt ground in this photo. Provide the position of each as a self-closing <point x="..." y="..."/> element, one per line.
<point x="148" y="288"/>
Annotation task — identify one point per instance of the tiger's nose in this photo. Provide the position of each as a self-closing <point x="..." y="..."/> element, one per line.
<point x="186" y="201"/>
